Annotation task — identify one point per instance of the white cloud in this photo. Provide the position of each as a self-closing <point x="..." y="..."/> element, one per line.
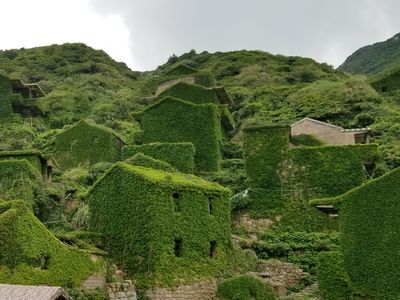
<point x="27" y="23"/>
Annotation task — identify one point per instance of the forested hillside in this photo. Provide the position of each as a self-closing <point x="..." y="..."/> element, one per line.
<point x="373" y="59"/>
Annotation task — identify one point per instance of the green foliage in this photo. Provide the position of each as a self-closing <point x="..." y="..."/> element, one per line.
<point x="15" y="136"/>
<point x="193" y="93"/>
<point x="387" y="81"/>
<point x="144" y="213"/>
<point x="245" y="287"/>
<point x="330" y="170"/>
<point x="19" y="180"/>
<point x="33" y="156"/>
<point x="306" y="140"/>
<point x="180" y="68"/>
<point x="264" y="149"/>
<point x="143" y="160"/>
<point x="178" y="155"/>
<point x="174" y="120"/>
<point x="298" y="247"/>
<point x="333" y="282"/>
<point x="31" y="255"/>
<point x="369" y="238"/>
<point x="374" y="58"/>
<point x="6" y="112"/>
<point x="97" y="170"/>
<point x="85" y="144"/>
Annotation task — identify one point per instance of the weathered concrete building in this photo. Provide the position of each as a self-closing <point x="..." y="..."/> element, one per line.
<point x="331" y="134"/>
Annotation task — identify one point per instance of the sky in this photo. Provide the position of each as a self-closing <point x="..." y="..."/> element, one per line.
<point x="144" y="33"/>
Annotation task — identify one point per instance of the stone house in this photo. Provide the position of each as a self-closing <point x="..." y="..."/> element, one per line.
<point x="331" y="134"/>
<point x="85" y="144"/>
<point x="26" y="292"/>
<point x="160" y="224"/>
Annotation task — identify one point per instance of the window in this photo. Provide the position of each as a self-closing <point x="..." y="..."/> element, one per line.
<point x="178" y="248"/>
<point x="213" y="248"/>
<point x="177" y="202"/>
<point x="210" y="206"/>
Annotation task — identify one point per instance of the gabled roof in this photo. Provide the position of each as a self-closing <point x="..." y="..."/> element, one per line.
<point x="341" y="129"/>
<point x="94" y="125"/>
<point x="317" y="122"/>
<point x="189" y="181"/>
<point x="26" y="292"/>
<point x="181" y="68"/>
<point x="221" y="92"/>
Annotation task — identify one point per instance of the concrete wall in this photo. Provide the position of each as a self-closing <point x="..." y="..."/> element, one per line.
<point x="166" y="85"/>
<point x="206" y="290"/>
<point x="331" y="135"/>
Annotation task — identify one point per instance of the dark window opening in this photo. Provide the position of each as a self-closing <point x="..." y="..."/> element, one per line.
<point x="213" y="248"/>
<point x="384" y="89"/>
<point x="177" y="202"/>
<point x="178" y="248"/>
<point x="210" y="206"/>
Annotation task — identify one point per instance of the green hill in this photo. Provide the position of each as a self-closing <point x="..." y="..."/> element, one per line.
<point x="373" y="59"/>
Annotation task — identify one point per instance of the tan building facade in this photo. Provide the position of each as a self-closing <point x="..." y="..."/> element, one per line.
<point x="331" y="134"/>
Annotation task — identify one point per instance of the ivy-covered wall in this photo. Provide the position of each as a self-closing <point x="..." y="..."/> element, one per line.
<point x="33" y="156"/>
<point x="86" y="144"/>
<point x="284" y="178"/>
<point x="6" y="100"/>
<point x="178" y="155"/>
<point x="31" y="255"/>
<point x="166" y="227"/>
<point x="333" y="281"/>
<point x="264" y="150"/>
<point x="192" y="93"/>
<point x="19" y="180"/>
<point x="370" y="236"/>
<point x="325" y="171"/>
<point x="174" y="120"/>
<point x="143" y="160"/>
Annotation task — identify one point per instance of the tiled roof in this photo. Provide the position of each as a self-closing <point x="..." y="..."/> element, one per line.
<point x="25" y="292"/>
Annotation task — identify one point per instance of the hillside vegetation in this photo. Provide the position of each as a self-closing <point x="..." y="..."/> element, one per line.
<point x="270" y="89"/>
<point x="373" y="59"/>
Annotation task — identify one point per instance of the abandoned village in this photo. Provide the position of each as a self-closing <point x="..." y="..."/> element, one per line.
<point x="157" y="219"/>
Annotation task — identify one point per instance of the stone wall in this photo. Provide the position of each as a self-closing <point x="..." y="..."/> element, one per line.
<point x="123" y="290"/>
<point x="280" y="275"/>
<point x="206" y="290"/>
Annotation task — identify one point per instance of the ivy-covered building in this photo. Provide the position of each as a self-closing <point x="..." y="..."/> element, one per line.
<point x="173" y="120"/>
<point x="85" y="144"/>
<point x="369" y="241"/>
<point x="18" y="99"/>
<point x="35" y="157"/>
<point x="280" y="175"/>
<point x="163" y="226"/>
<point x="20" y="180"/>
<point x="32" y="255"/>
<point x="197" y="94"/>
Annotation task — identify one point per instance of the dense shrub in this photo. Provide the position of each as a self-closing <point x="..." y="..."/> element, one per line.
<point x="297" y="247"/>
<point x="178" y="155"/>
<point x="178" y="224"/>
<point x="245" y="287"/>
<point x="333" y="282"/>
<point x="306" y="140"/>
<point x="31" y="255"/>
<point x="174" y="120"/>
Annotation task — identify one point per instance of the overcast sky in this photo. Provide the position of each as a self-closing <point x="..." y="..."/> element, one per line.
<point x="144" y="33"/>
